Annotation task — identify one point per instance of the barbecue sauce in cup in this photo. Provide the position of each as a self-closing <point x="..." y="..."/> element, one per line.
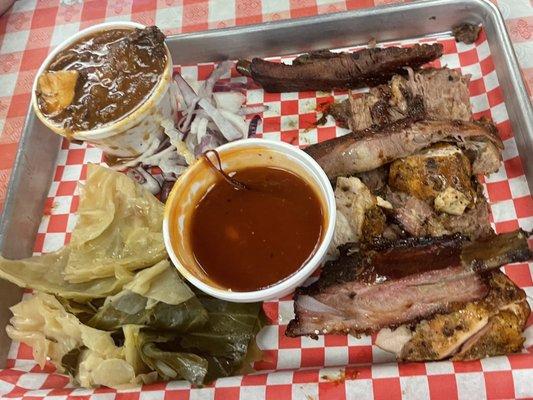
<point x="256" y="226"/>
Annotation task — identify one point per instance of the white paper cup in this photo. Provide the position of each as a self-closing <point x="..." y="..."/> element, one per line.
<point x="194" y="183"/>
<point x="132" y="134"/>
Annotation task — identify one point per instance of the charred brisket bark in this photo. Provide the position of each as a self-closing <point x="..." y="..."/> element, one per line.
<point x="325" y="70"/>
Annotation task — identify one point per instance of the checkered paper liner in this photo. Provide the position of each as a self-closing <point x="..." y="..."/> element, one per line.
<point x="334" y="366"/>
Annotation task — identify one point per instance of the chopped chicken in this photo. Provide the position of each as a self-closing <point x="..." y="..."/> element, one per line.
<point x="439" y="175"/>
<point x="344" y="233"/>
<point x="451" y="201"/>
<point x="358" y="212"/>
<point x="374" y="222"/>
<point x="57" y="90"/>
<point x="383" y="203"/>
<point x="488" y="327"/>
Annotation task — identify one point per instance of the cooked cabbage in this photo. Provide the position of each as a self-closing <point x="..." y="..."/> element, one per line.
<point x="121" y="372"/>
<point x="89" y="355"/>
<point x="118" y="231"/>
<point x="167" y="331"/>
<point x="119" y="227"/>
<point x="160" y="283"/>
<point x="156" y="298"/>
<point x="45" y="273"/>
<point x="41" y="322"/>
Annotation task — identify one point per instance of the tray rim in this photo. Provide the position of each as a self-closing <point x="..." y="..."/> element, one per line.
<point x="12" y="245"/>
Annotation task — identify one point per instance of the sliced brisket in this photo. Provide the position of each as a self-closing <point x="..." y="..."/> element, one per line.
<point x="325" y="70"/>
<point x="440" y="94"/>
<point x="386" y="284"/>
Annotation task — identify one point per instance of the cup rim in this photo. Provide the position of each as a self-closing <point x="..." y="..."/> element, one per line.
<point x="113" y="127"/>
<point x="295" y="279"/>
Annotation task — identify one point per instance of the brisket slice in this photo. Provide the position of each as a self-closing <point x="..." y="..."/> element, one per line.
<point x="325" y="70"/>
<point x="386" y="284"/>
<point x="440" y="94"/>
<point x="366" y="150"/>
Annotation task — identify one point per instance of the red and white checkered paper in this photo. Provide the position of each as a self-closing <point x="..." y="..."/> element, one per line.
<point x="332" y="367"/>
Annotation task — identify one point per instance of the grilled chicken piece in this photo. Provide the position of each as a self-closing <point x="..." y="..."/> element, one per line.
<point x="440" y="175"/>
<point x="489" y="327"/>
<point x="56" y="90"/>
<point x="325" y="70"/>
<point x="440" y="94"/>
<point x="387" y="284"/>
<point x="359" y="213"/>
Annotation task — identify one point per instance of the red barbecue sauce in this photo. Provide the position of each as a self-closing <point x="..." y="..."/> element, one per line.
<point x="250" y="238"/>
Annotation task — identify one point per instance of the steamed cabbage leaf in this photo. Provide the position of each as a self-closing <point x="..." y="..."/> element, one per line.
<point x="119" y="226"/>
<point x="92" y="368"/>
<point x="45" y="273"/>
<point x="160" y="283"/>
<point x="132" y="335"/>
<point x="122" y="371"/>
<point x="156" y="298"/>
<point x="118" y="231"/>
<point x="89" y="354"/>
<point x="42" y="322"/>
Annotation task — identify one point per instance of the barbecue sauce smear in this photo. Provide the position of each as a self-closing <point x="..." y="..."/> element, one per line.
<point x="247" y="237"/>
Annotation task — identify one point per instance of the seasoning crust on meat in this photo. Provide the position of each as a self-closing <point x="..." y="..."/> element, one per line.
<point x="488" y="327"/>
<point x="426" y="175"/>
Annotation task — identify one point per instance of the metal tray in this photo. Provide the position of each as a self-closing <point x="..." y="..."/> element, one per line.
<point x="38" y="149"/>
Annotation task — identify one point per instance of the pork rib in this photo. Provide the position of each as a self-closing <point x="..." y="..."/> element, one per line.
<point x="360" y="151"/>
<point x="386" y="284"/>
<point x="325" y="70"/>
<point x="488" y="327"/>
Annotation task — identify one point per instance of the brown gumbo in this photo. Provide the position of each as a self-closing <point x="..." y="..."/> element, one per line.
<point x="102" y="77"/>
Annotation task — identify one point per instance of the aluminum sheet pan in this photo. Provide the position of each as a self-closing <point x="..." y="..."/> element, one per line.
<point x="38" y="149"/>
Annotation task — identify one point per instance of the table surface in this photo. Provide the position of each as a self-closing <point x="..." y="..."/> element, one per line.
<point x="31" y="28"/>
